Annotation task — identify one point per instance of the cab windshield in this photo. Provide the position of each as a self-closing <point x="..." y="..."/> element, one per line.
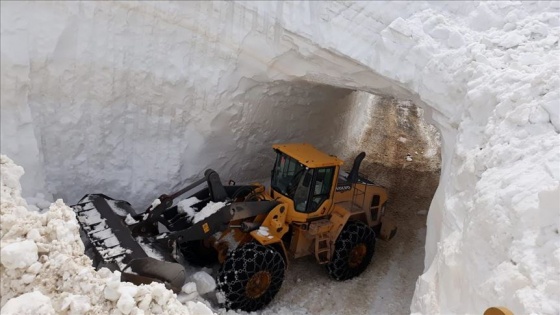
<point x="309" y="188"/>
<point x="286" y="174"/>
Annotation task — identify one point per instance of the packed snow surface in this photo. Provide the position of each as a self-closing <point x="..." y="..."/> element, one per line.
<point x="136" y="97"/>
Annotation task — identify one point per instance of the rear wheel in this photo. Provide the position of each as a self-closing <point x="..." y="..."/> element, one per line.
<point x="353" y="251"/>
<point x="250" y="277"/>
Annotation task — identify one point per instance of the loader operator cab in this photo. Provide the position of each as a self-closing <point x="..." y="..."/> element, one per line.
<point x="304" y="175"/>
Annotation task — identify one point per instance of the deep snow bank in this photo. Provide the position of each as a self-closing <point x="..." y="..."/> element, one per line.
<point x="130" y="98"/>
<point x="44" y="270"/>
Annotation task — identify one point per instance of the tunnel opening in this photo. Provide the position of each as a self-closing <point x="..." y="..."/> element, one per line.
<point x="402" y="154"/>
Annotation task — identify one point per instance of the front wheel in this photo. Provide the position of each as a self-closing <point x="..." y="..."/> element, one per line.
<point x="250" y="277"/>
<point x="354" y="249"/>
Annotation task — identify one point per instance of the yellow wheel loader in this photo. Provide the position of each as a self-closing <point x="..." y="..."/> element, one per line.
<point x="311" y="208"/>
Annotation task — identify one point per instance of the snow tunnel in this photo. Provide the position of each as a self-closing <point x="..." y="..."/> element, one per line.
<point x="135" y="99"/>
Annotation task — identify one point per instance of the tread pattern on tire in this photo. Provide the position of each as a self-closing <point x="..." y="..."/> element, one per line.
<point x="238" y="268"/>
<point x="354" y="233"/>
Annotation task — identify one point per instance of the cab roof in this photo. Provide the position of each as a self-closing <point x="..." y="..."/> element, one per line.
<point x="308" y="155"/>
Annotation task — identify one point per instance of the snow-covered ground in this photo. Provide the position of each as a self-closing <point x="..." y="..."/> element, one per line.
<point x="132" y="98"/>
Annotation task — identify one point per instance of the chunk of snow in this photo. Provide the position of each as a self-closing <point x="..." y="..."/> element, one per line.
<point x="35" y="268"/>
<point x="130" y="220"/>
<point x="155" y="203"/>
<point x="160" y="293"/>
<point x="126" y="303"/>
<point x="553" y="109"/>
<point x="145" y="302"/>
<point x="220" y="297"/>
<point x="199" y="308"/>
<point x="34" y="303"/>
<point x="205" y="283"/>
<point x="76" y="304"/>
<point x="185" y="206"/>
<point x="263" y="231"/>
<point x="19" y="254"/>
<point x="189" y="288"/>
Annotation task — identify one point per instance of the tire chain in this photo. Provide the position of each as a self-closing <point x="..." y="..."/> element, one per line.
<point x="354" y="233"/>
<point x="238" y="268"/>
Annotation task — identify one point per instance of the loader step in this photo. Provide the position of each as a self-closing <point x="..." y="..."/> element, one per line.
<point x="323" y="248"/>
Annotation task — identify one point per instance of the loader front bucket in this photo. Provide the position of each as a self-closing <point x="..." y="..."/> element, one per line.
<point x="102" y="219"/>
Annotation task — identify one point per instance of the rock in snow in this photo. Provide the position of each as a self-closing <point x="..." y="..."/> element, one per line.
<point x="132" y="97"/>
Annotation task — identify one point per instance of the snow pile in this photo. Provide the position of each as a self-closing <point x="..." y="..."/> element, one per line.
<point x="44" y="271"/>
<point x="493" y="226"/>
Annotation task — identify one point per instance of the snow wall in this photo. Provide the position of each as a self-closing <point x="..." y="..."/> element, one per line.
<point x="135" y="99"/>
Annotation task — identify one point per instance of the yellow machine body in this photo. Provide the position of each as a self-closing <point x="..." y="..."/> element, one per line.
<point x="300" y="233"/>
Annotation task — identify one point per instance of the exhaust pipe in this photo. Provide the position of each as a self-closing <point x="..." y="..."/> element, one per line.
<point x="353" y="176"/>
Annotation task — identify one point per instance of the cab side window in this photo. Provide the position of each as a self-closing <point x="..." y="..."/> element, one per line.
<point x="301" y="195"/>
<point x="321" y="189"/>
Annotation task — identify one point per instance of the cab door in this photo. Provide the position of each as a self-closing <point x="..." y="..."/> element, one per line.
<point x="313" y="195"/>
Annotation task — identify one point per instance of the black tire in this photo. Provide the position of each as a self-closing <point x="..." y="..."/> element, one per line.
<point x="250" y="277"/>
<point x="195" y="253"/>
<point x="354" y="249"/>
